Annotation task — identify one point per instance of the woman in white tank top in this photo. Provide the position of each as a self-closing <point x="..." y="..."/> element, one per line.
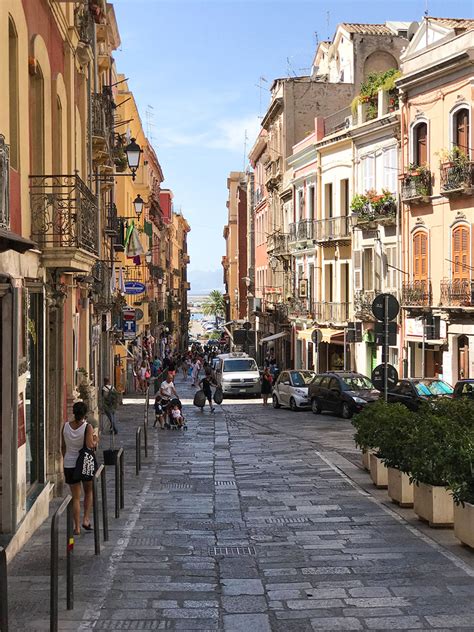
<point x="75" y="432"/>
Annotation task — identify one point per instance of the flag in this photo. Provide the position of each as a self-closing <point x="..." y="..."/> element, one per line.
<point x="128" y="234"/>
<point x="113" y="285"/>
<point x="134" y="246"/>
<point x="120" y="281"/>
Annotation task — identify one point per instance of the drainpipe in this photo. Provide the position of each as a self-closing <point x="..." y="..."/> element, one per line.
<point x="402" y="258"/>
<point x="14" y="442"/>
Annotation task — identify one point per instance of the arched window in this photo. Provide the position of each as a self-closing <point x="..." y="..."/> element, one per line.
<point x="58" y="138"/>
<point x="13" y="93"/>
<point x="461" y="129"/>
<point x="420" y="256"/>
<point x="420" y="144"/>
<point x="461" y="254"/>
<point x="37" y="121"/>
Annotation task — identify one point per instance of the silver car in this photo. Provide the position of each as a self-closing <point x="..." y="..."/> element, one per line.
<point x="291" y="389"/>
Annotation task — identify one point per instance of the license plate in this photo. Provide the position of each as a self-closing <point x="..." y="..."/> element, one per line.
<point x="242" y="390"/>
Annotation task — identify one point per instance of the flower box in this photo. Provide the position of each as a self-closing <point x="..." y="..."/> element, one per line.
<point x="433" y="504"/>
<point x="378" y="472"/>
<point x="464" y="523"/>
<point x="400" y="489"/>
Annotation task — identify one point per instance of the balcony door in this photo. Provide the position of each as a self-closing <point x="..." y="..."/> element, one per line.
<point x="420" y="258"/>
<point x="461" y="130"/>
<point x="461" y="254"/>
<point x="420" y="153"/>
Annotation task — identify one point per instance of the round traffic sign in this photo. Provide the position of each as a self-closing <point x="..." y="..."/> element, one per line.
<point x="316" y="336"/>
<point x="247" y="326"/>
<point x="378" y="375"/>
<point x="385" y="302"/>
<point x="138" y="314"/>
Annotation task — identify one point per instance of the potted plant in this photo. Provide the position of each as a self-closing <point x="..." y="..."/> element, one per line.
<point x="368" y="93"/>
<point x="370" y="426"/>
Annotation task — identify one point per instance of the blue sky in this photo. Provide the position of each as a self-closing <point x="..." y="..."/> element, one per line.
<point x="197" y="63"/>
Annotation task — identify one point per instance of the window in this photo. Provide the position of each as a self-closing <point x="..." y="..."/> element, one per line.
<point x="461" y="130"/>
<point x="58" y="138"/>
<point x="461" y="254"/>
<point x="420" y="256"/>
<point x="368" y="268"/>
<point x="13" y="93"/>
<point x="357" y="262"/>
<point x="300" y="204"/>
<point x="420" y="144"/>
<point x="311" y="202"/>
<point x="390" y="170"/>
<point x="368" y="172"/>
<point x="328" y="199"/>
<point x="37" y="122"/>
<point x="344" y="201"/>
<point x="390" y="267"/>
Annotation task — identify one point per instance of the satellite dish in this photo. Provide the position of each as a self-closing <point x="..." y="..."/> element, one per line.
<point x="412" y="29"/>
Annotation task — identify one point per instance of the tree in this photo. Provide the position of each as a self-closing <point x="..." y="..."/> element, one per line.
<point x="214" y="305"/>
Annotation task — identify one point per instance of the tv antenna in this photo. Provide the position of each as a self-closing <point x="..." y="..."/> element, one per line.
<point x="260" y="86"/>
<point x="149" y="116"/>
<point x="245" y="149"/>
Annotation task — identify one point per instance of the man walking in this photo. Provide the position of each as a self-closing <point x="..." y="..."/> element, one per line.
<point x="110" y="402"/>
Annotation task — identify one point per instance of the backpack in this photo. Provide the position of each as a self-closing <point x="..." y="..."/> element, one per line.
<point x="112" y="399"/>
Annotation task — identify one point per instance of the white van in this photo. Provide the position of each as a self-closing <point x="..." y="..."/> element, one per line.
<point x="237" y="374"/>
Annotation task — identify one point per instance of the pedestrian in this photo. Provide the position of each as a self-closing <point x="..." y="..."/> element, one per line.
<point x="110" y="403"/>
<point x="196" y="369"/>
<point x="159" y="412"/>
<point x="267" y="382"/>
<point x="143" y="376"/>
<point x="76" y="435"/>
<point x="205" y="385"/>
<point x="155" y="367"/>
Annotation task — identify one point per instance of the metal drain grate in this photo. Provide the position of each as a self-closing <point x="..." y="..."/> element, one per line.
<point x="225" y="484"/>
<point x="144" y="624"/>
<point x="145" y="542"/>
<point x="176" y="486"/>
<point x="294" y="520"/>
<point x="232" y="551"/>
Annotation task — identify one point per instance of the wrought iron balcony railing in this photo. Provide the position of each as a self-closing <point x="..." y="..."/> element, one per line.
<point x="103" y="118"/>
<point x="101" y="290"/>
<point x="328" y="312"/>
<point x="84" y="24"/>
<point x="457" y="293"/>
<point x="417" y="293"/>
<point x="63" y="213"/>
<point x="277" y="244"/>
<point x="4" y="184"/>
<point x="457" y="177"/>
<point x="416" y="187"/>
<point x="363" y="300"/>
<point x="333" y="229"/>
<point x="304" y="230"/>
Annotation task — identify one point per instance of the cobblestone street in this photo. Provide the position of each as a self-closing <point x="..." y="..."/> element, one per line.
<point x="252" y="520"/>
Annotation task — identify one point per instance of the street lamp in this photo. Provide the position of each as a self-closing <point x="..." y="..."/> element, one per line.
<point x="138" y="205"/>
<point x="148" y="257"/>
<point x="133" y="153"/>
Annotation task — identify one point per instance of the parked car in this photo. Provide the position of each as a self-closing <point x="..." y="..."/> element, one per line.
<point x="412" y="392"/>
<point x="464" y="388"/>
<point x="237" y="374"/>
<point x="291" y="389"/>
<point x="344" y="393"/>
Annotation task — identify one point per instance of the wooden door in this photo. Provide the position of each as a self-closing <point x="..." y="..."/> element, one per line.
<point x="420" y="257"/>
<point x="461" y="136"/>
<point x="463" y="357"/>
<point x="421" y="144"/>
<point x="461" y="254"/>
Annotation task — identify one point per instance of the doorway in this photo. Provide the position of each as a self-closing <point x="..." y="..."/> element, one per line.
<point x="463" y="357"/>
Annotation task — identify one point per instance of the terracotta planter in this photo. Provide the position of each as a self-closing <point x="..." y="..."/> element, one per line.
<point x="400" y="489"/>
<point x="434" y="504"/>
<point x="378" y="472"/>
<point x="464" y="523"/>
<point x="366" y="460"/>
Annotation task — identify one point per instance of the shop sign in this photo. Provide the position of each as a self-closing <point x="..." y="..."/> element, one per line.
<point x="414" y="328"/>
<point x="134" y="287"/>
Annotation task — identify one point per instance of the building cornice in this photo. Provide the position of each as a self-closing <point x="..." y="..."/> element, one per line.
<point x="275" y="108"/>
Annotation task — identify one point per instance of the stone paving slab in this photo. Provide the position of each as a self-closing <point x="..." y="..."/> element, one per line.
<point x="245" y="523"/>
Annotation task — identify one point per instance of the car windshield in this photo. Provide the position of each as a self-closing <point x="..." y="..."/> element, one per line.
<point x="434" y="387"/>
<point x="244" y="364"/>
<point x="356" y="383"/>
<point x="302" y="378"/>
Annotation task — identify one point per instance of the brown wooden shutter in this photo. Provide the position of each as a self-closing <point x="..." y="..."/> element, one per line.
<point x="461" y="254"/>
<point x="420" y="256"/>
<point x="421" y="144"/>
<point x="462" y="130"/>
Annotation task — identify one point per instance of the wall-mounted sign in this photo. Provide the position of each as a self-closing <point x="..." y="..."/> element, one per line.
<point x="303" y="288"/>
<point x="134" y="287"/>
<point x="129" y="329"/>
<point x="138" y="314"/>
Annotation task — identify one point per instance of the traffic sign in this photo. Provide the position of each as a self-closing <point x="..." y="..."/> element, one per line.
<point x="128" y="313"/>
<point x="316" y="336"/>
<point x="247" y="326"/>
<point x="378" y="375"/>
<point x="138" y="314"/>
<point x="391" y="303"/>
<point x="129" y="329"/>
<point x="379" y="331"/>
<point x="134" y="287"/>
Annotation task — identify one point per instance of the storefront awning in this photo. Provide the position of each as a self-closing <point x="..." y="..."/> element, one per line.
<point x="281" y="334"/>
<point x="335" y="336"/>
<point x="12" y="241"/>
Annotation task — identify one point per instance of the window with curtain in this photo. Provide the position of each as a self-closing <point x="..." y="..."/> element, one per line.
<point x="461" y="254"/>
<point x="461" y="130"/>
<point x="390" y="169"/>
<point x="420" y="144"/>
<point x="420" y="256"/>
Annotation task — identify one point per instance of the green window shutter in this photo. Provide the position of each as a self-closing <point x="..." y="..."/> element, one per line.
<point x="148" y="228"/>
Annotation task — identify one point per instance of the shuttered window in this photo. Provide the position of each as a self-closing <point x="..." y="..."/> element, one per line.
<point x="357" y="270"/>
<point x="461" y="130"/>
<point x="461" y="254"/>
<point x="391" y="265"/>
<point x="420" y="153"/>
<point x="420" y="256"/>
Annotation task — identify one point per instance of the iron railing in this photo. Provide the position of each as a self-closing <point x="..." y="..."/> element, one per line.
<point x="417" y="293"/>
<point x="259" y="195"/>
<point x="84" y="24"/>
<point x="277" y="244"/>
<point x="102" y="106"/>
<point x="324" y="312"/>
<point x="363" y="300"/>
<point x="4" y="183"/>
<point x="416" y="186"/>
<point x="304" y="230"/>
<point x="63" y="213"/>
<point x="333" y="228"/>
<point x="457" y="176"/>
<point x="101" y="289"/>
<point x="457" y="293"/>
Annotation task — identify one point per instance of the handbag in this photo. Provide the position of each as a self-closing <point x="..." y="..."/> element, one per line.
<point x="86" y="464"/>
<point x="218" y="395"/>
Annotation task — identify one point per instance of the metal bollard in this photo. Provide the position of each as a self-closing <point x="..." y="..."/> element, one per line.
<point x="122" y="478"/>
<point x="95" y="510"/>
<point x="103" y="496"/>
<point x="118" y="482"/>
<point x="4" y="591"/>
<point x="54" y="565"/>
<point x="138" y="446"/>
<point x="145" y="439"/>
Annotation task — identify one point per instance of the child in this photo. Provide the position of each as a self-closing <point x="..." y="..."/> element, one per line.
<point x="205" y="384"/>
<point x="159" y="412"/>
<point x="178" y="417"/>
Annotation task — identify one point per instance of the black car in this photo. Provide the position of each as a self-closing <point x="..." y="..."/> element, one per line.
<point x="464" y="388"/>
<point x="344" y="393"/>
<point x="412" y="392"/>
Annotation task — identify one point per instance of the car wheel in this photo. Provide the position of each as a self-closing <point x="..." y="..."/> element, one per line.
<point x="315" y="406"/>
<point x="346" y="412"/>
<point x="293" y="405"/>
<point x="276" y="403"/>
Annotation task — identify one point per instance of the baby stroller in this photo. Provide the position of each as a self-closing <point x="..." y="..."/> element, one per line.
<point x="172" y="422"/>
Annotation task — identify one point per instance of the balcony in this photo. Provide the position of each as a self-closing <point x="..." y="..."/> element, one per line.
<point x="416" y="186"/>
<point x="259" y="195"/>
<point x="457" y="177"/>
<point x="363" y="300"/>
<point x="4" y="184"/>
<point x="186" y="259"/>
<point x="101" y="294"/>
<point x="333" y="229"/>
<point x="457" y="293"/>
<point x="85" y="28"/>
<point x="64" y="221"/>
<point x="302" y="232"/>
<point x="102" y="107"/>
<point x="372" y="208"/>
<point x="273" y="173"/>
<point x="277" y="245"/>
<point x="328" y="312"/>
<point x="417" y="294"/>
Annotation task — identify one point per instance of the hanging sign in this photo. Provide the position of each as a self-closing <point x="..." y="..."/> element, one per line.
<point x="134" y="287"/>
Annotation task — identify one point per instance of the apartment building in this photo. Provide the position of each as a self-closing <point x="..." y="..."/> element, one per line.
<point x="235" y="261"/>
